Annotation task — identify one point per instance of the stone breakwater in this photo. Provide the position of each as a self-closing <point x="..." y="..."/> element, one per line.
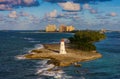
<point x="51" y="51"/>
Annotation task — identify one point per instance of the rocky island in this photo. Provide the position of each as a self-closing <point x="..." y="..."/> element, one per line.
<point x="76" y="51"/>
<point x="51" y="51"/>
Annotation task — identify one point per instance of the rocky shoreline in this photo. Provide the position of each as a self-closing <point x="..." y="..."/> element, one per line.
<point x="51" y="51"/>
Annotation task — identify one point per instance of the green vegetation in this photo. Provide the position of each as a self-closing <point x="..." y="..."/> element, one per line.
<point x="84" y="40"/>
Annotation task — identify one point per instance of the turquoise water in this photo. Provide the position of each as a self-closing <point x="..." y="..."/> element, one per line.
<point x="14" y="43"/>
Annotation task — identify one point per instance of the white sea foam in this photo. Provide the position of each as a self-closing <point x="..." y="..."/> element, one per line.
<point x="20" y="57"/>
<point x="82" y="77"/>
<point x="54" y="42"/>
<point x="39" y="46"/>
<point x="51" y="70"/>
<point x="26" y="38"/>
<point x="44" y="67"/>
<point x="42" y="63"/>
<point x="34" y="41"/>
<point x="46" y="72"/>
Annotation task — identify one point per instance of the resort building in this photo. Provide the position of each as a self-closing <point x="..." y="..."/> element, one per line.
<point x="51" y="28"/>
<point x="70" y="28"/>
<point x="62" y="28"/>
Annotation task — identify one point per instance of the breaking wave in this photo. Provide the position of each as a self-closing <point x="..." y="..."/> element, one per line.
<point x="50" y="70"/>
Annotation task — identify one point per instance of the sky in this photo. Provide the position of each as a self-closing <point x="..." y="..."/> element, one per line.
<point x="37" y="14"/>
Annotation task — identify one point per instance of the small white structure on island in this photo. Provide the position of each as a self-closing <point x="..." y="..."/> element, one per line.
<point x="62" y="47"/>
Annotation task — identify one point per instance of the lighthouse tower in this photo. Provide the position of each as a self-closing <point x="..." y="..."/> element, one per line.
<point x="62" y="47"/>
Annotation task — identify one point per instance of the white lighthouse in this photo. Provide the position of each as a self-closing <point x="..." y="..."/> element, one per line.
<point x="62" y="47"/>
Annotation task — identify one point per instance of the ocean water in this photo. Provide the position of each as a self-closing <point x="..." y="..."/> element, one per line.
<point x="13" y="44"/>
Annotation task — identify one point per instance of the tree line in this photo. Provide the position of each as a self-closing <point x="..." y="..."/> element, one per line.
<point x="84" y="40"/>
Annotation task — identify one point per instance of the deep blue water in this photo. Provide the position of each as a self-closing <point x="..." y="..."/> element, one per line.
<point x="13" y="43"/>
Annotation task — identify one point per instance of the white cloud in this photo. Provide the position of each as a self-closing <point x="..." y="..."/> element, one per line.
<point x="22" y="13"/>
<point x="52" y="14"/>
<point x="113" y="14"/>
<point x="93" y="11"/>
<point x="13" y="14"/>
<point x="28" y="1"/>
<point x="86" y="6"/>
<point x="70" y="6"/>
